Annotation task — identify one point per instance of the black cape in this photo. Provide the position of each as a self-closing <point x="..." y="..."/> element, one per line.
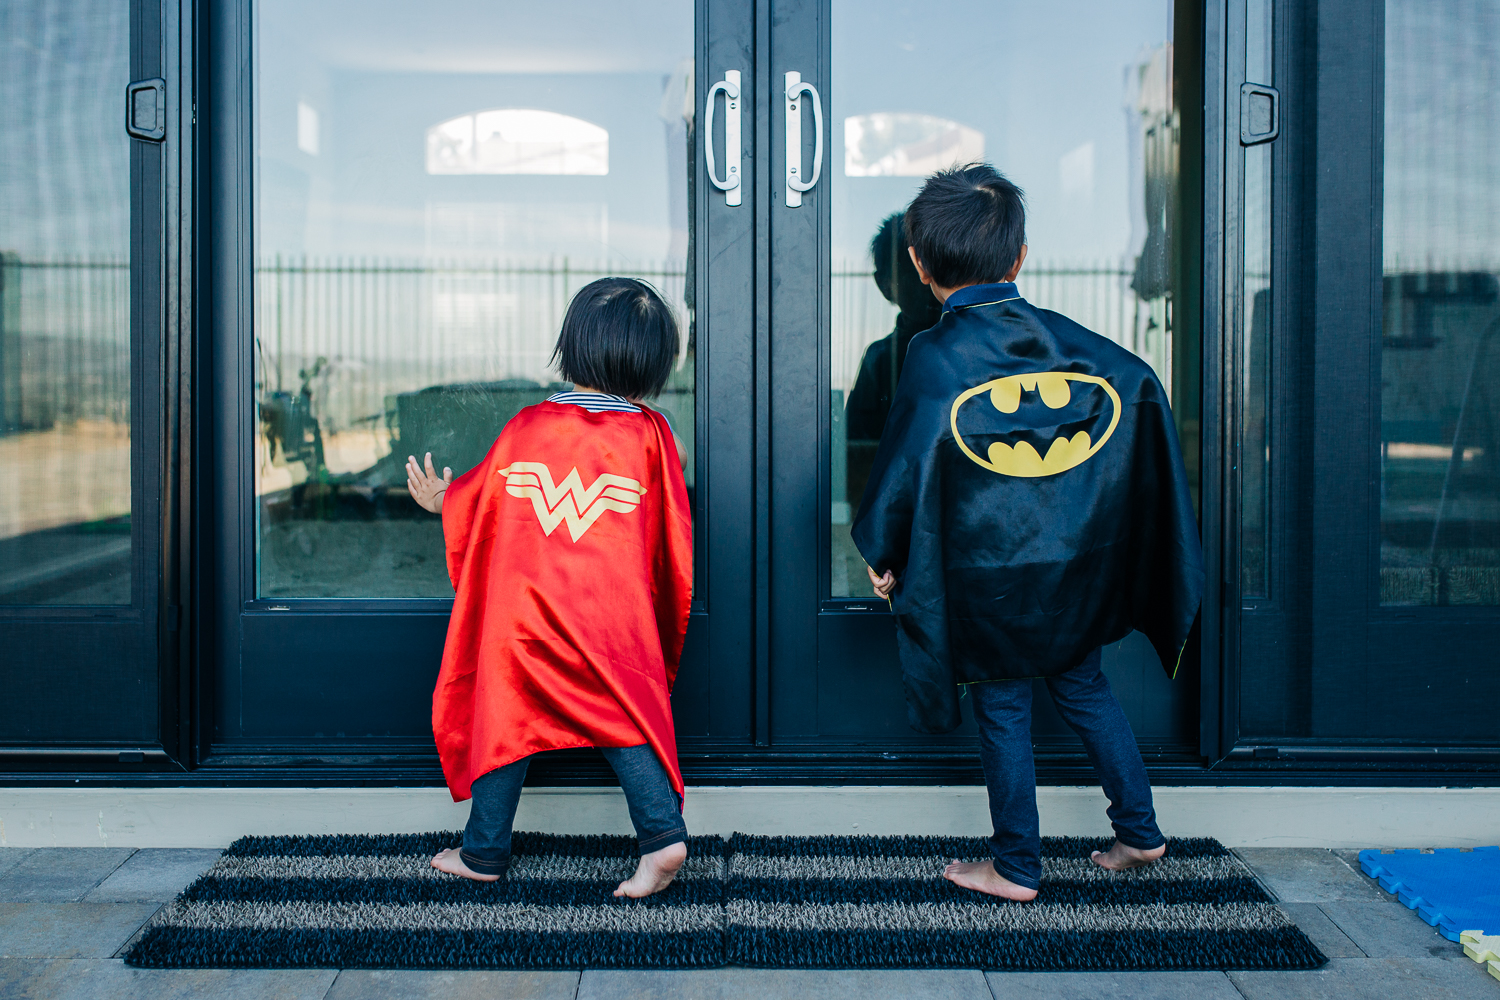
<point x="1029" y="495"/>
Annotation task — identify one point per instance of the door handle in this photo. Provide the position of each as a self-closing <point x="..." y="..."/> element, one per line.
<point x="1260" y="114"/>
<point x="146" y="109"/>
<point x="795" y="185"/>
<point x="730" y="185"/>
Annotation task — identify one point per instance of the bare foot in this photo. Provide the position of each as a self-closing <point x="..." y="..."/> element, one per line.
<point x="449" y="861"/>
<point x="982" y="877"/>
<point x="1120" y="857"/>
<point x="655" y="872"/>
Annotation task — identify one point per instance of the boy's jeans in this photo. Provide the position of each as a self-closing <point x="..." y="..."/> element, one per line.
<point x="1083" y="698"/>
<point x="654" y="808"/>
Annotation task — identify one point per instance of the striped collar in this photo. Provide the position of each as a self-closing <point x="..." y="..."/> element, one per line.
<point x="981" y="295"/>
<point x="595" y="402"/>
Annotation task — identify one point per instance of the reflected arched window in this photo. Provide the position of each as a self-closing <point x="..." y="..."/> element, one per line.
<point x="901" y="144"/>
<point x="517" y="141"/>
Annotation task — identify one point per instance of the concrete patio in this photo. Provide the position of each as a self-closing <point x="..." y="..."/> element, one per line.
<point x="66" y="913"/>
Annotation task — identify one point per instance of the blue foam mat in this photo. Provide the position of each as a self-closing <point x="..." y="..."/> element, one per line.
<point x="1452" y="890"/>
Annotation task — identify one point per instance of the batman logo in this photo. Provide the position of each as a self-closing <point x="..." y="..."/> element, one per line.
<point x="1069" y="410"/>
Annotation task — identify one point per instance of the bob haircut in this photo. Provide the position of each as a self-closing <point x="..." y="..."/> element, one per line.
<point x="619" y="337"/>
<point x="968" y="225"/>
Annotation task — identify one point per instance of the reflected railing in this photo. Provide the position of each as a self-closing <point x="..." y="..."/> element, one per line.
<point x="1440" y="433"/>
<point x="64" y="430"/>
<point x="1096" y="294"/>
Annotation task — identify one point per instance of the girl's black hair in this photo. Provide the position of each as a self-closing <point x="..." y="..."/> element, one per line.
<point x="619" y="337"/>
<point x="967" y="225"/>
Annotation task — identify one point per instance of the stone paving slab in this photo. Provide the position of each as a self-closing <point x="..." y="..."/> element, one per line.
<point x="1383" y="928"/>
<point x="1372" y="979"/>
<point x="1111" y="986"/>
<point x="1307" y="875"/>
<point x="69" y="930"/>
<point x="154" y="875"/>
<point x="784" y="984"/>
<point x="111" y="979"/>
<point x="60" y="874"/>
<point x="1322" y="931"/>
<point x="370" y="984"/>
<point x="12" y="856"/>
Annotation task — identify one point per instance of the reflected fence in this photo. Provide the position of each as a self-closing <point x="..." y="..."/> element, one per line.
<point x="354" y="332"/>
<point x="64" y="342"/>
<point x="1095" y="294"/>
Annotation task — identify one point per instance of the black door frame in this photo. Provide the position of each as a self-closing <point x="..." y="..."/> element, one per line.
<point x="716" y="685"/>
<point x="100" y="686"/>
<point x="1331" y="105"/>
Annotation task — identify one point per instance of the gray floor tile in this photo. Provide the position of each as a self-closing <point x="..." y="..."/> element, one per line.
<point x="1111" y="986"/>
<point x="12" y="856"/>
<point x="153" y="875"/>
<point x="1307" y="875"/>
<point x="1384" y="928"/>
<point x="60" y="874"/>
<point x="784" y="984"/>
<point x="114" y="980"/>
<point x="366" y="984"/>
<point x="1372" y="979"/>
<point x="69" y="930"/>
<point x="1322" y="931"/>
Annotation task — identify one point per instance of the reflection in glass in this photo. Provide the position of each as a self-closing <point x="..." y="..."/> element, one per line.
<point x="1440" y="357"/>
<point x="915" y="96"/>
<point x="431" y="193"/>
<point x="65" y="404"/>
<point x="1255" y="303"/>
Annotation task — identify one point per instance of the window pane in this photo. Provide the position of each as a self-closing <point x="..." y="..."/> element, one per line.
<point x="915" y="95"/>
<point x="1440" y="357"/>
<point x="64" y="303"/>
<point x="1255" y="329"/>
<point x="431" y="192"/>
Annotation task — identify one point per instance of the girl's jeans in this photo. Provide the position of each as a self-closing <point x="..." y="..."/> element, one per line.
<point x="1002" y="710"/>
<point x="654" y="807"/>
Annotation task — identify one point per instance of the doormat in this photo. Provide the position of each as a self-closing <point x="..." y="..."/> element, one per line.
<point x="769" y="902"/>
<point x="882" y="903"/>
<point x="1451" y="889"/>
<point x="374" y="902"/>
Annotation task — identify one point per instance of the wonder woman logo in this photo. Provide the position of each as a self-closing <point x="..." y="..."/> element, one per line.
<point x="568" y="500"/>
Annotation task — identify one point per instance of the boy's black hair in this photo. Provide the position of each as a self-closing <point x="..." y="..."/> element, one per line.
<point x="618" y="336"/>
<point x="968" y="225"/>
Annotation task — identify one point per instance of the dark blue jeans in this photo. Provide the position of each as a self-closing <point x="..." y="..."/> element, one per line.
<point x="1002" y="710"/>
<point x="654" y="807"/>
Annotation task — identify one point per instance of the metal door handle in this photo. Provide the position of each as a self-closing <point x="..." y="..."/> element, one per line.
<point x="730" y="185"/>
<point x="146" y="109"/>
<point x="1260" y="114"/>
<point x="794" y="183"/>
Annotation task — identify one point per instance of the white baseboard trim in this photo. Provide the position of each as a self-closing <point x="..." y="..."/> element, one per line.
<point x="1239" y="817"/>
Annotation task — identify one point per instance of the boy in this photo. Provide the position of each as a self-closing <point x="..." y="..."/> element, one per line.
<point x="1027" y="506"/>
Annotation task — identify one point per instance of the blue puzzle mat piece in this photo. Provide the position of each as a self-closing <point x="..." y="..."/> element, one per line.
<point x="1452" y="890"/>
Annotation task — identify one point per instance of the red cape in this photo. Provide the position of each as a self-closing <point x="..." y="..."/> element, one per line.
<point x="571" y="549"/>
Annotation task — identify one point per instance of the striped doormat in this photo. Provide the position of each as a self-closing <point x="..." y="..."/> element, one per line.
<point x="771" y="902"/>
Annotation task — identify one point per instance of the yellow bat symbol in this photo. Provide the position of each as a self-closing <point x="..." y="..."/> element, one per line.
<point x="1022" y="459"/>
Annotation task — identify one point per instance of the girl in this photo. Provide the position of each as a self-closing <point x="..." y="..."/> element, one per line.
<point x="570" y="548"/>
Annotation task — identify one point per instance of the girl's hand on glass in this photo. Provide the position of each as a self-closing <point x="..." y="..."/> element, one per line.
<point x="425" y="485"/>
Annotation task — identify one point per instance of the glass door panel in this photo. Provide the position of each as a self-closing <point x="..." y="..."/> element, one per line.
<point x="430" y="192"/>
<point x="1440" y="343"/>
<point x="1088" y="128"/>
<point x="65" y="387"/>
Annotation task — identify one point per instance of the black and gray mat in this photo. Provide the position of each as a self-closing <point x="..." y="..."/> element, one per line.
<point x="881" y="902"/>
<point x="376" y="902"/>
<point x="773" y="902"/>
